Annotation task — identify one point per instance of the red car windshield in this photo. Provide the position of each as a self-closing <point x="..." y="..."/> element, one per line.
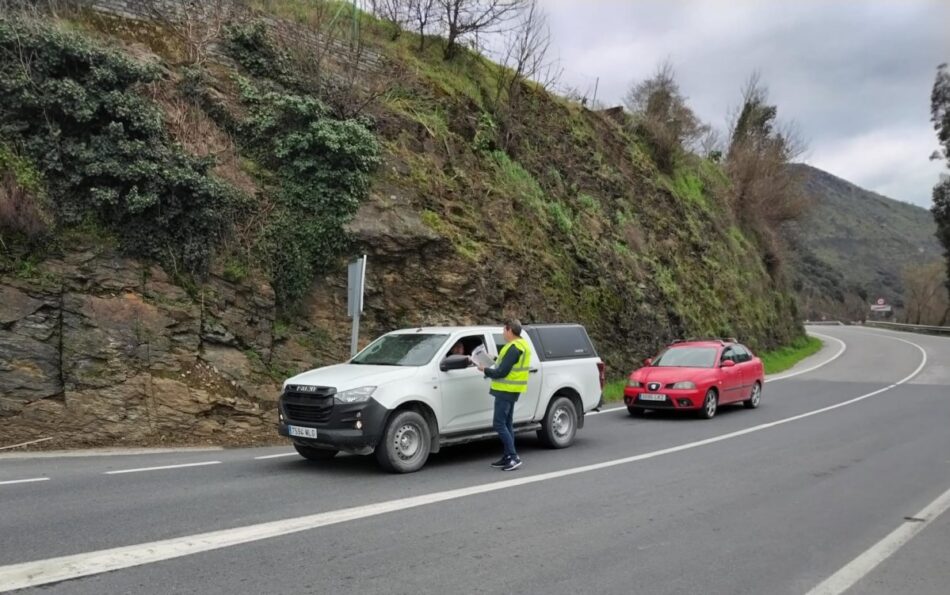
<point x="687" y="357"/>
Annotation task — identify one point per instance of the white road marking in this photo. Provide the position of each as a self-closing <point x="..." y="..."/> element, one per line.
<point x="844" y="348"/>
<point x="31" y="480"/>
<point x="201" y="464"/>
<point x="283" y="454"/>
<point x="861" y="566"/>
<point x="41" y="572"/>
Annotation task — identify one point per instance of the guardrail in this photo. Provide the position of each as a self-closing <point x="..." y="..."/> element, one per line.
<point x="824" y="323"/>
<point x="911" y="328"/>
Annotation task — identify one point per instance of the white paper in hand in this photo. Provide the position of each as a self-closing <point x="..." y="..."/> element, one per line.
<point x="481" y="358"/>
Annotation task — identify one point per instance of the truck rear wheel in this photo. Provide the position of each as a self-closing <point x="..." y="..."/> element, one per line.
<point x="404" y="447"/>
<point x="559" y="426"/>
<point x="315" y="454"/>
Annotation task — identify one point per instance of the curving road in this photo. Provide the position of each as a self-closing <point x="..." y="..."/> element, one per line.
<point x="836" y="484"/>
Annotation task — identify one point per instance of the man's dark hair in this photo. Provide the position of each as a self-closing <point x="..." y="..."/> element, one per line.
<point x="513" y="325"/>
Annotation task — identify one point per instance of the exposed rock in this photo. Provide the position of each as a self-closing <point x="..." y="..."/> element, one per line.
<point x="98" y="349"/>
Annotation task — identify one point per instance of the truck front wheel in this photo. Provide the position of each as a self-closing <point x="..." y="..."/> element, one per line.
<point x="559" y="426"/>
<point x="404" y="447"/>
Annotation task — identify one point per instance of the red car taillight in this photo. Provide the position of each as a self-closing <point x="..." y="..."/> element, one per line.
<point x="602" y="368"/>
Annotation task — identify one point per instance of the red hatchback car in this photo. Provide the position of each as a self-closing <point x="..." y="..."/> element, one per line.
<point x="698" y="376"/>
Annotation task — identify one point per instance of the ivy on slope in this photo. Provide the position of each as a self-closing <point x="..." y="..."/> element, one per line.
<point x="75" y="110"/>
<point x="320" y="167"/>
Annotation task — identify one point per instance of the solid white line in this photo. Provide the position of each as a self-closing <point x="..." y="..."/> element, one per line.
<point x="841" y="351"/>
<point x="861" y="566"/>
<point x="13" y="481"/>
<point x="283" y="454"/>
<point x="41" y="572"/>
<point x="25" y="443"/>
<point x="117" y="472"/>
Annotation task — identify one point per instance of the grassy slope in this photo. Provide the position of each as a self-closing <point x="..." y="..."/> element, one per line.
<point x="599" y="235"/>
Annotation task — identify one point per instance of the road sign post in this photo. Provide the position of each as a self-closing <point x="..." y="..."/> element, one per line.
<point x="356" y="278"/>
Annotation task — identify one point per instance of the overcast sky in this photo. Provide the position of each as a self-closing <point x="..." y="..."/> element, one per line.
<point x="855" y="76"/>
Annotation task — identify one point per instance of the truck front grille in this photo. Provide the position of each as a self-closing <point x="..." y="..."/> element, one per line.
<point x="313" y="406"/>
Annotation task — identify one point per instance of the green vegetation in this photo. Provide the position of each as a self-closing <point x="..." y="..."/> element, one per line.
<point x="602" y="237"/>
<point x="613" y="390"/>
<point x="102" y="148"/>
<point x="779" y="360"/>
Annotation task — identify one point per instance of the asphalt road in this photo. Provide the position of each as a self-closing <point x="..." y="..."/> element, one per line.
<point x="804" y="493"/>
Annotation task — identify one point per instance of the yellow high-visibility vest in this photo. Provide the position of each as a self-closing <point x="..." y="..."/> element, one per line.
<point x="517" y="380"/>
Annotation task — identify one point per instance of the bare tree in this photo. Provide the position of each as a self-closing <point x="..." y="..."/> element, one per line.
<point x="198" y="24"/>
<point x="925" y="294"/>
<point x="395" y="12"/>
<point x="524" y="58"/>
<point x="760" y="150"/>
<point x="421" y="14"/>
<point x="463" y="18"/>
<point x="660" y="112"/>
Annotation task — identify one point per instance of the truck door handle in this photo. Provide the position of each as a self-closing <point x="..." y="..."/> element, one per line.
<point x="533" y="371"/>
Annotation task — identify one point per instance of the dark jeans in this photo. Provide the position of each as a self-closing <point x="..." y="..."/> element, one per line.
<point x="502" y="423"/>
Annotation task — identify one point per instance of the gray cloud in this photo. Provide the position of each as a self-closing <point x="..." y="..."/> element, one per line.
<point x="854" y="76"/>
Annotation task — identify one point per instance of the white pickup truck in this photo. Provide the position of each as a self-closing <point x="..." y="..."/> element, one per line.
<point x="405" y="395"/>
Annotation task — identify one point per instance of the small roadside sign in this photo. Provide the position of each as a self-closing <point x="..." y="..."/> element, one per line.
<point x="356" y="279"/>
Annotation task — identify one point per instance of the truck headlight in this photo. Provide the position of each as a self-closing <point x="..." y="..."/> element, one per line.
<point x="684" y="385"/>
<point x="355" y="395"/>
<point x="634" y="383"/>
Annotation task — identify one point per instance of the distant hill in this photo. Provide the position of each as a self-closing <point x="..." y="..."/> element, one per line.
<point x="853" y="246"/>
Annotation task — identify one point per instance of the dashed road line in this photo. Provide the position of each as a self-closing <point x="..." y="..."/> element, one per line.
<point x="31" y="480"/>
<point x="162" y="467"/>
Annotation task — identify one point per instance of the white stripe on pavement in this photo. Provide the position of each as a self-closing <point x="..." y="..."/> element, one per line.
<point x="844" y="348"/>
<point x="140" y="469"/>
<point x="861" y="566"/>
<point x="41" y="572"/>
<point x="31" y="480"/>
<point x="283" y="454"/>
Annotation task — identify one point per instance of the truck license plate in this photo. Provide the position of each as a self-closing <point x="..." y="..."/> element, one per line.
<point x="652" y="397"/>
<point x="302" y="432"/>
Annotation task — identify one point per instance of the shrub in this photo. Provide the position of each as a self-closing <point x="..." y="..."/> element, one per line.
<point x="74" y="110"/>
<point x="321" y="170"/>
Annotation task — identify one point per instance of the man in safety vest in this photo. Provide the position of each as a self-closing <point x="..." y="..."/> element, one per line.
<point x="509" y="379"/>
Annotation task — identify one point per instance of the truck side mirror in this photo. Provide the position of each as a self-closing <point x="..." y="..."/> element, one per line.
<point x="454" y="362"/>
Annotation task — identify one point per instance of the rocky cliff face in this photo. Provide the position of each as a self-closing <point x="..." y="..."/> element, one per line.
<point x="100" y="349"/>
<point x="97" y="349"/>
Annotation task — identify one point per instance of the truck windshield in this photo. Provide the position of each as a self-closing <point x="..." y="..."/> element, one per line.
<point x="687" y="357"/>
<point x="416" y="349"/>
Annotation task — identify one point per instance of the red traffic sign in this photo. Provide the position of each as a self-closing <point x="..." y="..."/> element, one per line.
<point x="880" y="301"/>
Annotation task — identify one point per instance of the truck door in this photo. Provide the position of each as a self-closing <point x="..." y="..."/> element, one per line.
<point x="466" y="404"/>
<point x="528" y="402"/>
